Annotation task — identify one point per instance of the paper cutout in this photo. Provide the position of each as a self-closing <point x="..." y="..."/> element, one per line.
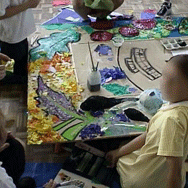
<point x="183" y="27"/>
<point x="56" y="42"/>
<point x="111" y="74"/>
<point x="61" y="2"/>
<point x="103" y="49"/>
<point x="117" y="89"/>
<point x="70" y="18"/>
<point x="59" y="26"/>
<point x="101" y="36"/>
<point x="148" y="14"/>
<point x="63" y="15"/>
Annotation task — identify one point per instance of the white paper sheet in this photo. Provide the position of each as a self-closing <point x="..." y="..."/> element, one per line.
<point x="179" y="52"/>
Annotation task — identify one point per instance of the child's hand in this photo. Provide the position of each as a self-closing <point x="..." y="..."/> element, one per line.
<point x="2" y="72"/>
<point x="4" y="146"/>
<point x="4" y="57"/>
<point x="112" y="157"/>
<point x="33" y="3"/>
<point x="50" y="184"/>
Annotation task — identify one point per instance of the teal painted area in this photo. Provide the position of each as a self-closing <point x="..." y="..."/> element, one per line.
<point x="116" y="89"/>
<point x="183" y="28"/>
<point x="59" y="26"/>
<point x="88" y="29"/>
<point x="56" y="42"/>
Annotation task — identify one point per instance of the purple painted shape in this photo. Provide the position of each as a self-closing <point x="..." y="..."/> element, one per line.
<point x="92" y="131"/>
<point x="103" y="49"/>
<point x="148" y="14"/>
<point x="114" y="74"/>
<point x="61" y="18"/>
<point x="122" y="117"/>
<point x="49" y="105"/>
<point x="57" y="97"/>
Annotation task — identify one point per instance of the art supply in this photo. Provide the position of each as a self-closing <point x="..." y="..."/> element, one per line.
<point x="117" y="41"/>
<point x="94" y="77"/>
<point x="174" y="43"/>
<point x="94" y="81"/>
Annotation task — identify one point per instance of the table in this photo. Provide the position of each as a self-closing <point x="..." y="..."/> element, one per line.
<point x="57" y="87"/>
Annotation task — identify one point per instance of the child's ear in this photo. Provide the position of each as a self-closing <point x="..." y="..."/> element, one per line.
<point x="9" y="123"/>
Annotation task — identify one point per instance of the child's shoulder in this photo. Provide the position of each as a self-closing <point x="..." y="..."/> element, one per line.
<point x="178" y="111"/>
<point x="175" y="107"/>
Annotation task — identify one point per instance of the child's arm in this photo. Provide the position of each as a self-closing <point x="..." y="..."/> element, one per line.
<point x="114" y="155"/>
<point x="11" y="11"/>
<point x="174" y="177"/>
<point x="3" y="138"/>
<point x="4" y="57"/>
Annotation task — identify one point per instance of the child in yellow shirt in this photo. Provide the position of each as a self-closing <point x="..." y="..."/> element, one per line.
<point x="157" y="157"/>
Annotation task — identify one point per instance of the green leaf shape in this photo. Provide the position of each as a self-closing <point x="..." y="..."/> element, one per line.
<point x="56" y="42"/>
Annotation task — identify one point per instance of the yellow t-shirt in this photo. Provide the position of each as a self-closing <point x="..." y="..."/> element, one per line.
<point x="167" y="135"/>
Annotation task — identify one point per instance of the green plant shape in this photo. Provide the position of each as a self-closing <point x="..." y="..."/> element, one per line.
<point x="56" y="42"/>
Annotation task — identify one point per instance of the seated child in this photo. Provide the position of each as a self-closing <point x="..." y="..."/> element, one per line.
<point x="12" y="154"/>
<point x="157" y="157"/>
<point x="95" y="8"/>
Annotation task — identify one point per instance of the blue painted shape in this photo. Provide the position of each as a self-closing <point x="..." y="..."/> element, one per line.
<point x="103" y="49"/>
<point x="146" y="15"/>
<point x="42" y="172"/>
<point x="61" y="18"/>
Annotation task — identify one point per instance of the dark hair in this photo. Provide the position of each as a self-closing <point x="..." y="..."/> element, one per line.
<point x="26" y="182"/>
<point x="181" y="62"/>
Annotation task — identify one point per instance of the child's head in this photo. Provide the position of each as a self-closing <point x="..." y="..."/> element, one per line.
<point x="174" y="83"/>
<point x="27" y="182"/>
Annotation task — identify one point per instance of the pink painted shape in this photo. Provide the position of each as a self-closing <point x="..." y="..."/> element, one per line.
<point x="61" y="2"/>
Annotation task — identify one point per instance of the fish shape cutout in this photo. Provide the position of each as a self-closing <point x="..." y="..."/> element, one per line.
<point x="96" y="103"/>
<point x="136" y="115"/>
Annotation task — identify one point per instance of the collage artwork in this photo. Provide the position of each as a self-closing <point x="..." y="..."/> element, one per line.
<point x="60" y="106"/>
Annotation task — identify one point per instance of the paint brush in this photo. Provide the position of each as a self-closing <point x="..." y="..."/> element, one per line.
<point x="97" y="66"/>
<point x="93" y="67"/>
